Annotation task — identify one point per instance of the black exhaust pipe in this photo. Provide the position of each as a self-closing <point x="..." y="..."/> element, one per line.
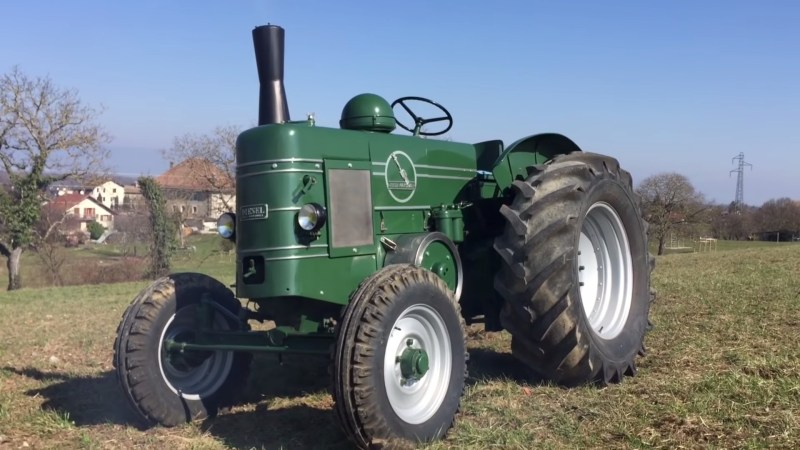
<point x="268" y="43"/>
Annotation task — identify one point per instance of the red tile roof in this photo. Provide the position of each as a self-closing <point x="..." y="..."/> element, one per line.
<point x="195" y="174"/>
<point x="68" y="201"/>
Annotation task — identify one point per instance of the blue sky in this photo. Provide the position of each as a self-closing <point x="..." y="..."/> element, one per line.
<point x="678" y="86"/>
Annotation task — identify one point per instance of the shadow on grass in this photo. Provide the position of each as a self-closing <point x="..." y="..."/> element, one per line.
<point x="279" y="422"/>
<point x="297" y="426"/>
<point x="293" y="376"/>
<point x="285" y="404"/>
<point x="280" y="408"/>
<point x="486" y="365"/>
<point x="89" y="400"/>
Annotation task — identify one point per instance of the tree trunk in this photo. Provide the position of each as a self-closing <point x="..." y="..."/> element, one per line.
<point x="661" y="245"/>
<point x="14" y="280"/>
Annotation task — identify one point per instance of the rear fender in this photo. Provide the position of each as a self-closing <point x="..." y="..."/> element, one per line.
<point x="529" y="151"/>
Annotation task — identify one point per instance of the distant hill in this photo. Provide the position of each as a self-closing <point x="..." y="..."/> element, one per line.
<point x="123" y="180"/>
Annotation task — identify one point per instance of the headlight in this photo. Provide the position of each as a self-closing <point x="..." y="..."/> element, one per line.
<point x="226" y="226"/>
<point x="311" y="217"/>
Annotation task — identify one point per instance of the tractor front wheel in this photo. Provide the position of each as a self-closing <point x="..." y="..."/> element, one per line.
<point x="399" y="362"/>
<point x="172" y="387"/>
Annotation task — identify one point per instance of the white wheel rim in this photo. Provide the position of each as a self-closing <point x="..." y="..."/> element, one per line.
<point x="605" y="271"/>
<point x="207" y="377"/>
<point x="415" y="401"/>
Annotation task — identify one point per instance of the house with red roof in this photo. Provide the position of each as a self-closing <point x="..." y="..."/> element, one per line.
<point x="82" y="209"/>
<point x="197" y="188"/>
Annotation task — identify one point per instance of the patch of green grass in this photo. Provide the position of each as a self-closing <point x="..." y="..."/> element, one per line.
<point x="87" y="442"/>
<point x="694" y="246"/>
<point x="5" y="409"/>
<point x="50" y="421"/>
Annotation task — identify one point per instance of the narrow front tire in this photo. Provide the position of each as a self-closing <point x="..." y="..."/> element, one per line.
<point x="400" y="357"/>
<point x="170" y="388"/>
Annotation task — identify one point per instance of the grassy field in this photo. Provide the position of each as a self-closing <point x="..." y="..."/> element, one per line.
<point x="202" y="254"/>
<point x="722" y="371"/>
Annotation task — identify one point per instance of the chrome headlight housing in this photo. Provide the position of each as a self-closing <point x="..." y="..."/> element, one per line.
<point x="311" y="217"/>
<point x="226" y="226"/>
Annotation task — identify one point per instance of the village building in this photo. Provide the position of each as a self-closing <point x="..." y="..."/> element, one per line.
<point x="197" y="189"/>
<point x="134" y="201"/>
<point x="82" y="209"/>
<point x="110" y="194"/>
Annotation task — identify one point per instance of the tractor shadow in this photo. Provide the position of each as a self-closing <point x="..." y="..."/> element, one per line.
<point x="490" y="359"/>
<point x="270" y="427"/>
<point x="89" y="400"/>
<point x="285" y="404"/>
<point x="487" y="365"/>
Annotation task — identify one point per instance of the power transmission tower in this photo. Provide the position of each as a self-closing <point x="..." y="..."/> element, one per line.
<point x="739" y="201"/>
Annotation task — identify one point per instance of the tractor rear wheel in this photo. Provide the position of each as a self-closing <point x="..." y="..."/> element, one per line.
<point x="400" y="357"/>
<point x="170" y="388"/>
<point x="576" y="271"/>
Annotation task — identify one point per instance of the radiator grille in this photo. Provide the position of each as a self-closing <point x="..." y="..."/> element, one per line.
<point x="350" y="207"/>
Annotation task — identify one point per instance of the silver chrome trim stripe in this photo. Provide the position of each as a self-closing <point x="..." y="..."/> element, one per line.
<point x="443" y="177"/>
<point x="269" y="172"/>
<point x="458" y="169"/>
<point x="286" y="247"/>
<point x="428" y="166"/>
<point x="279" y="258"/>
<point x="286" y="208"/>
<point x="401" y="208"/>
<point x="425" y="175"/>
<point x="270" y="161"/>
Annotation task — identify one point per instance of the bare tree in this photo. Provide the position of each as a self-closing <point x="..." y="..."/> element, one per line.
<point x="218" y="148"/>
<point x="732" y="223"/>
<point x="50" y="240"/>
<point x="669" y="200"/>
<point x="46" y="135"/>
<point x="780" y="217"/>
<point x="132" y="232"/>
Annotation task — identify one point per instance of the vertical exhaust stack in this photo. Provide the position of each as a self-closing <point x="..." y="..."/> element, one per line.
<point x="268" y="43"/>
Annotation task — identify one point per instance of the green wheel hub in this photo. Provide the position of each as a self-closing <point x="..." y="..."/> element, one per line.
<point x="413" y="362"/>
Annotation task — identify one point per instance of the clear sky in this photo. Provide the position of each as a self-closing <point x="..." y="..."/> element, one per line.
<point x="680" y="85"/>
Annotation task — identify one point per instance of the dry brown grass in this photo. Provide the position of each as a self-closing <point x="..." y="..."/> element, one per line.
<point x="722" y="371"/>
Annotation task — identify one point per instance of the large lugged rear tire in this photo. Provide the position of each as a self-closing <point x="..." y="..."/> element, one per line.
<point x="169" y="389"/>
<point x="400" y="357"/>
<point x="576" y="271"/>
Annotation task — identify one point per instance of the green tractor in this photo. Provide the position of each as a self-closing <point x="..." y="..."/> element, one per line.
<point x="377" y="248"/>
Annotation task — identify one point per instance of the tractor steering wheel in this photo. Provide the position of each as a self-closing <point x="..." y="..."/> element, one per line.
<point x="419" y="121"/>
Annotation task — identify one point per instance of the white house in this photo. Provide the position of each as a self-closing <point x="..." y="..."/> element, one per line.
<point x="110" y="194"/>
<point x="83" y="208"/>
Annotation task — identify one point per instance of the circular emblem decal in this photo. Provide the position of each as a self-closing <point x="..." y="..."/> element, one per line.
<point x="401" y="176"/>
